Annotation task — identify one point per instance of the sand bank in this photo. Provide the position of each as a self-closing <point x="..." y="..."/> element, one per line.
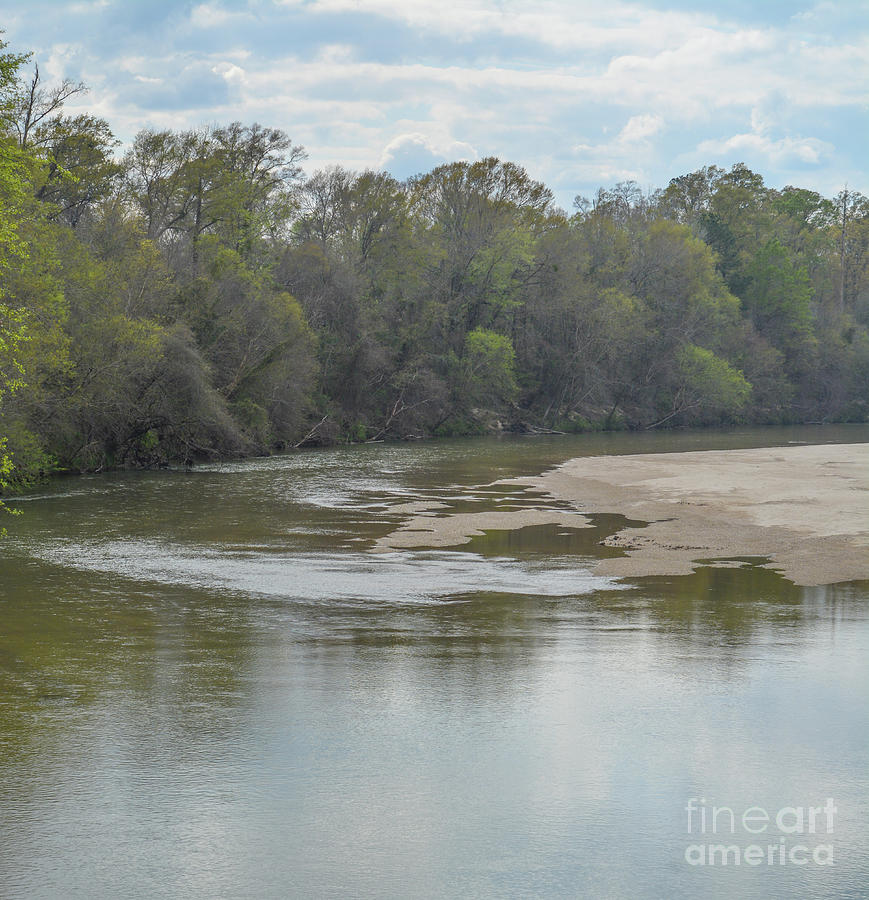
<point x="426" y="530"/>
<point x="806" y="508"/>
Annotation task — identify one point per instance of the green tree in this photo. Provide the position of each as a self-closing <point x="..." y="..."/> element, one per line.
<point x="80" y="170"/>
<point x="778" y="301"/>
<point x="484" y="217"/>
<point x="234" y="182"/>
<point x="705" y="384"/>
<point x="488" y="369"/>
<point x="256" y="340"/>
<point x="15" y="168"/>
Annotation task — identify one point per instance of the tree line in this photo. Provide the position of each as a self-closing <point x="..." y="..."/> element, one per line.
<point x="199" y="296"/>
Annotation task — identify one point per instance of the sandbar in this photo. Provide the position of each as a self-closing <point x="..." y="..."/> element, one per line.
<point x="803" y="509"/>
<point x="429" y="531"/>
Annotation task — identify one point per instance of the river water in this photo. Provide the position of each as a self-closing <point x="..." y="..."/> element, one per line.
<point x="211" y="687"/>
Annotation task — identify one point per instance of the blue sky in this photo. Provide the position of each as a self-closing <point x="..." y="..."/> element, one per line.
<point x="583" y="94"/>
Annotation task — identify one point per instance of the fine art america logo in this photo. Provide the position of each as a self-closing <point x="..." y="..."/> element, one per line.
<point x="791" y="835"/>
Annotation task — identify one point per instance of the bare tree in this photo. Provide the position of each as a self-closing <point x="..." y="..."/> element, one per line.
<point x="37" y="103"/>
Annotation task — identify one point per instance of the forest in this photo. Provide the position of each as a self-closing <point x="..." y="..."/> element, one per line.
<point x="198" y="296"/>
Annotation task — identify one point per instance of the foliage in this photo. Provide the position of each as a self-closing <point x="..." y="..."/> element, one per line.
<point x="710" y="383"/>
<point x="198" y="297"/>
<point x="14" y="170"/>
<point x="488" y="371"/>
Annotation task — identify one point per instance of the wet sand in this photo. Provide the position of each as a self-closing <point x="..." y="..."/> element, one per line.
<point x="429" y="530"/>
<point x="805" y="508"/>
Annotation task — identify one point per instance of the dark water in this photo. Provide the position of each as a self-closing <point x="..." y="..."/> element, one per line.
<point x="210" y="687"/>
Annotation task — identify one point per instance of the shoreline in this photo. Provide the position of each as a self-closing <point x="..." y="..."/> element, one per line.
<point x="803" y="508"/>
<point x="16" y="491"/>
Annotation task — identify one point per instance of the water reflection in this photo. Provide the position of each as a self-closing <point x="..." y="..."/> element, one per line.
<point x="208" y="687"/>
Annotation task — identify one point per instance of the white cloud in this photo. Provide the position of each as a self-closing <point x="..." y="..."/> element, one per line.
<point x="641" y="127"/>
<point x="579" y="92"/>
<point x="564" y="24"/>
<point x="57" y="64"/>
<point x="413" y="153"/>
<point x="211" y="15"/>
<point x="230" y="72"/>
<point x="786" y="150"/>
<point x="86" y="8"/>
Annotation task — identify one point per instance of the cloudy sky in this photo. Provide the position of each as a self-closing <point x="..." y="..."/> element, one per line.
<point x="583" y="94"/>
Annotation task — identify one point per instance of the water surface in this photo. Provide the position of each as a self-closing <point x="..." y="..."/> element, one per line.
<point x="210" y="687"/>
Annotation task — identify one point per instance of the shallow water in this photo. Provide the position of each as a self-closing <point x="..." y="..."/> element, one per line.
<point x="211" y="687"/>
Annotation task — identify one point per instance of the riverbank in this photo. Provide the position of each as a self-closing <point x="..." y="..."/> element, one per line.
<point x="804" y="508"/>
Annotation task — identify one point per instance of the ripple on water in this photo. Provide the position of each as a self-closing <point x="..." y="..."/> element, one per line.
<point x="393" y="578"/>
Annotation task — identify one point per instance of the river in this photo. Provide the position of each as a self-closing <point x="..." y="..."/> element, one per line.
<point x="210" y="686"/>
